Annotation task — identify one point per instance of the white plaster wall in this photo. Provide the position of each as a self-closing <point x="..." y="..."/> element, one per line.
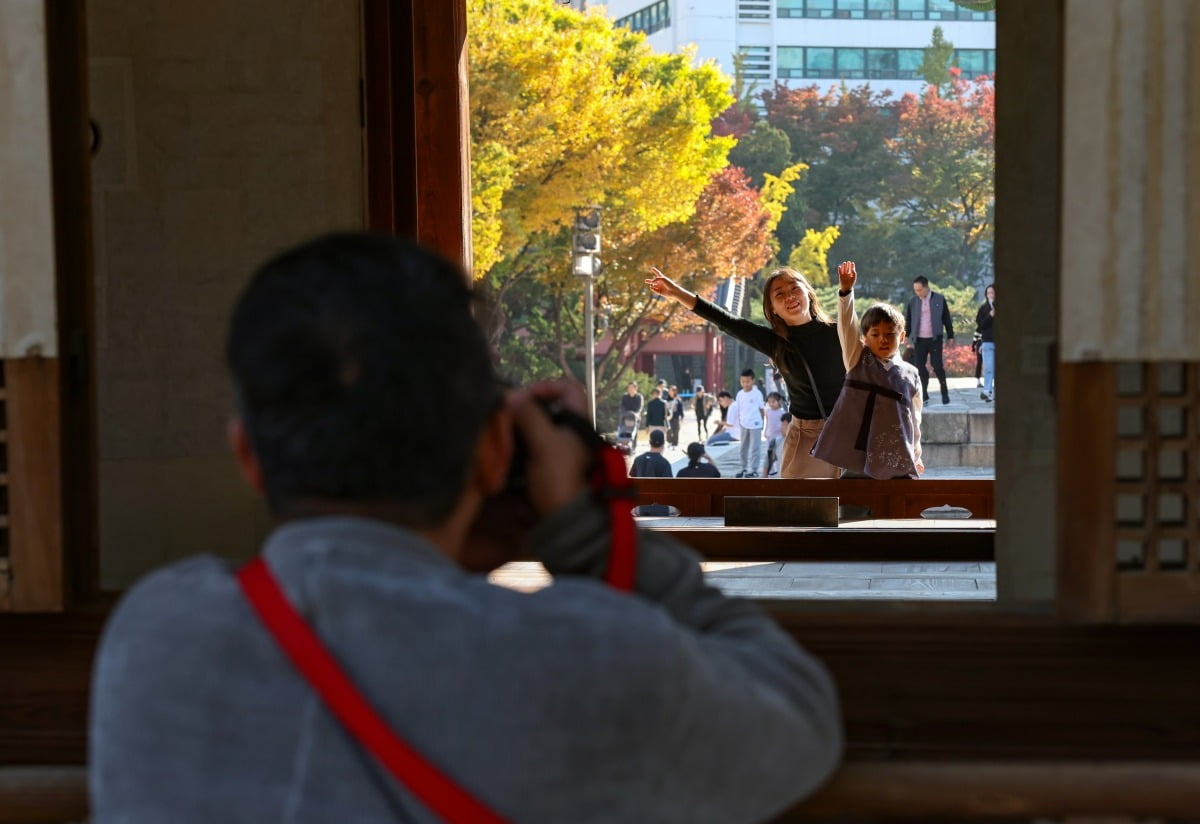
<point x="1131" y="181"/>
<point x="28" y="315"/>
<point x="230" y="130"/>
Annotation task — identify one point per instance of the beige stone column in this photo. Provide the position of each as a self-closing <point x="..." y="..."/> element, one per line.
<point x="1131" y="181"/>
<point x="27" y="309"/>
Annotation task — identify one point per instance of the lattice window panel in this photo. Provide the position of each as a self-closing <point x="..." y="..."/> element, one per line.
<point x="1157" y="507"/>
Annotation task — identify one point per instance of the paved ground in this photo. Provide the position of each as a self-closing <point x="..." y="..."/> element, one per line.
<point x="964" y="396"/>
<point x="942" y="581"/>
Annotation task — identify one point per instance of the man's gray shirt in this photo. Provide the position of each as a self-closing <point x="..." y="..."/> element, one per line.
<point x="575" y="703"/>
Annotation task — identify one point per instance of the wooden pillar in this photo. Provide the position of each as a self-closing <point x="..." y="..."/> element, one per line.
<point x="415" y="96"/>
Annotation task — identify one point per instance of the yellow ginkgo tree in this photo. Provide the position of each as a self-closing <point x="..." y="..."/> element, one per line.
<point x="569" y="111"/>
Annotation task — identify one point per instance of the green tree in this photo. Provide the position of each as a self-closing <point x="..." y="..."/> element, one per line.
<point x="936" y="62"/>
<point x="843" y="137"/>
<point x="947" y="143"/>
<point x="761" y="151"/>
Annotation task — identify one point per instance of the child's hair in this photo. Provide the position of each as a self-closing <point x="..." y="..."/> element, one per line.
<point x="695" y="452"/>
<point x="725" y="393"/>
<point x="881" y="313"/>
<point x="655" y="391"/>
<point x="747" y="373"/>
<point x="775" y="395"/>
<point x="785" y="417"/>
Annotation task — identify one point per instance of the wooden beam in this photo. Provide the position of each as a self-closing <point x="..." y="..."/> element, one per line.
<point x="835" y="543"/>
<point x="999" y="790"/>
<point x="443" y="140"/>
<point x="387" y="103"/>
<point x="35" y="495"/>
<point x="928" y="789"/>
<point x="1087" y="522"/>
<point x="66" y="57"/>
<point x="43" y="795"/>
<point x="886" y="499"/>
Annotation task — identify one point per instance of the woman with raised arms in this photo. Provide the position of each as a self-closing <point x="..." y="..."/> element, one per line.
<point x="802" y="341"/>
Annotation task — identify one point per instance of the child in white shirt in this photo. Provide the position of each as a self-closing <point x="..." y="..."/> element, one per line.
<point x="747" y="410"/>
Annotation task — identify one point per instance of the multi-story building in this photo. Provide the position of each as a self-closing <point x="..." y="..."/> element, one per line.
<point x="801" y="42"/>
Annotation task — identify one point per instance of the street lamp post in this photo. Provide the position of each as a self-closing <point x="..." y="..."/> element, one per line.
<point x="585" y="260"/>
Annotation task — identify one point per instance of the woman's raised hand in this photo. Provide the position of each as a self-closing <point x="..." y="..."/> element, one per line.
<point x="660" y="284"/>
<point x="847" y="275"/>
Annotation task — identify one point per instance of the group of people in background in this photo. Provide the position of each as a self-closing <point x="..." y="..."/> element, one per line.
<point x="854" y="399"/>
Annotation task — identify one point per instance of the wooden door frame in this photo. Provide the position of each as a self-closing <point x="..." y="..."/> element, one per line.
<point x="926" y="685"/>
<point x="418" y="148"/>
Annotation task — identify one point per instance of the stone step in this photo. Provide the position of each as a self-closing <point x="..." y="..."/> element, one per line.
<point x="958" y="427"/>
<point x="959" y="454"/>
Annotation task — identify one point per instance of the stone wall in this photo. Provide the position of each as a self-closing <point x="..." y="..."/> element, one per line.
<point x="229" y="130"/>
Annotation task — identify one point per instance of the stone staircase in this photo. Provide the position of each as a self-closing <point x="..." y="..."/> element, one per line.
<point x="961" y="434"/>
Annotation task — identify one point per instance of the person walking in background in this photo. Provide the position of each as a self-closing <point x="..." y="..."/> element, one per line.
<point x="702" y="405"/>
<point x="801" y="340"/>
<point x="631" y="402"/>
<point x="747" y="410"/>
<point x="773" y="433"/>
<point x="700" y="465"/>
<point x="984" y="319"/>
<point x="656" y="412"/>
<point x="675" y="415"/>
<point x="926" y="315"/>
<point x="875" y="428"/>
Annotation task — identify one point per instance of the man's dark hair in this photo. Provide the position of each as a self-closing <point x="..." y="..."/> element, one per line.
<point x="921" y="279"/>
<point x="747" y="373"/>
<point x="361" y="376"/>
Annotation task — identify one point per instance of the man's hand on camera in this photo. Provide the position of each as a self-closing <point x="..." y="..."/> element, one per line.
<point x="557" y="458"/>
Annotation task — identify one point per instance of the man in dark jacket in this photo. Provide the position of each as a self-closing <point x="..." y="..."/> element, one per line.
<point x="652" y="464"/>
<point x="675" y="411"/>
<point x="656" y="412"/>
<point x="926" y="315"/>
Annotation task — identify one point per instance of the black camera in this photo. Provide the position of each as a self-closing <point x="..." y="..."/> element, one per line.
<point x="559" y="416"/>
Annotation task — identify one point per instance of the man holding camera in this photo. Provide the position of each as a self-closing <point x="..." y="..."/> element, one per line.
<point x="578" y="702"/>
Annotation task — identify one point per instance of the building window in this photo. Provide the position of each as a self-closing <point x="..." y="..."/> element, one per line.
<point x="851" y="9"/>
<point x="873" y="64"/>
<point x="790" y="59"/>
<point x="754" y="9"/>
<point x="654" y="17"/>
<point x="880" y="10"/>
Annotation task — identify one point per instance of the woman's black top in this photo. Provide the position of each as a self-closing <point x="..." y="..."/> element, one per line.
<point x="816" y="341"/>
<point x="984" y="321"/>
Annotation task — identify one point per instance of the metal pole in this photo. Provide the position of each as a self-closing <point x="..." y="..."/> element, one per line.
<point x="590" y="346"/>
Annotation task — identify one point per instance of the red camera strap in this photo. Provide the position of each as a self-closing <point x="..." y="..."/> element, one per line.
<point x="612" y="484"/>
<point x="309" y="655"/>
<point x="435" y="789"/>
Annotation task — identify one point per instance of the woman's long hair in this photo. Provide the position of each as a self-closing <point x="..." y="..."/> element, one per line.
<point x="778" y="324"/>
